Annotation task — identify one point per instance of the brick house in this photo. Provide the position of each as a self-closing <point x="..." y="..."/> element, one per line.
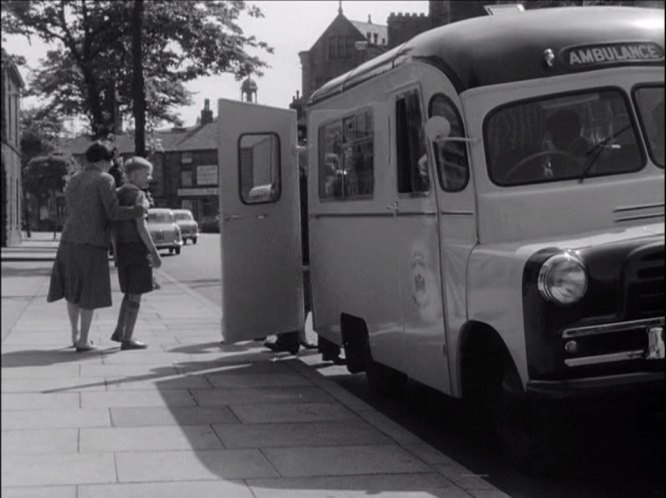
<point x="12" y="84"/>
<point x="185" y="164"/>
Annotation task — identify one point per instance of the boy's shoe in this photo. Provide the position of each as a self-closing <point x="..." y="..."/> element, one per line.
<point x="116" y="337"/>
<point x="132" y="344"/>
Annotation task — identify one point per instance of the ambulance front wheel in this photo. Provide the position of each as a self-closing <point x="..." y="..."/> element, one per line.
<point x="529" y="431"/>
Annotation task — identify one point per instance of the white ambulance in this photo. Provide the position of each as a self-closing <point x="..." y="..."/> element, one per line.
<point x="486" y="213"/>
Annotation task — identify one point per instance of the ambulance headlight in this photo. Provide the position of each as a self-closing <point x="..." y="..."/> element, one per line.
<point x="562" y="279"/>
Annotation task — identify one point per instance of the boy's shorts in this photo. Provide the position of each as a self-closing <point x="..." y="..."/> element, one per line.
<point x="135" y="275"/>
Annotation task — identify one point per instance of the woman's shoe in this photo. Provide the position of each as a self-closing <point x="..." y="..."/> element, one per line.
<point x="115" y="337"/>
<point x="85" y="348"/>
<point x="132" y="344"/>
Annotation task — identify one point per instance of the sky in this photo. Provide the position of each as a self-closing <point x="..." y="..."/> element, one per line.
<point x="288" y="26"/>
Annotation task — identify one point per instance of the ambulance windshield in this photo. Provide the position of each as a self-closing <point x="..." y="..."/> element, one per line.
<point x="558" y="138"/>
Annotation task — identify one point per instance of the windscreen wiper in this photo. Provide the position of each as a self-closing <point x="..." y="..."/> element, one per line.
<point x="597" y="150"/>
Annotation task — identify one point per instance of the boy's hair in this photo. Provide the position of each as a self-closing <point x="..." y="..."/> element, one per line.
<point x="135" y="163"/>
<point x="98" y="151"/>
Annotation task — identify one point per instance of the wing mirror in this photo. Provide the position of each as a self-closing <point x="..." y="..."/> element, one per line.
<point x="438" y="129"/>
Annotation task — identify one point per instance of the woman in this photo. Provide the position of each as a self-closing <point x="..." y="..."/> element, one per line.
<point x="80" y="272"/>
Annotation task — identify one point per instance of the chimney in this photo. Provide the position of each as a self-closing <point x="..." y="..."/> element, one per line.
<point x="206" y="113"/>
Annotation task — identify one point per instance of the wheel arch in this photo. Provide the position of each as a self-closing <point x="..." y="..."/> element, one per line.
<point x="481" y="352"/>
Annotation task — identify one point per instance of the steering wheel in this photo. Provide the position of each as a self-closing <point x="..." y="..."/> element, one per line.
<point x="533" y="157"/>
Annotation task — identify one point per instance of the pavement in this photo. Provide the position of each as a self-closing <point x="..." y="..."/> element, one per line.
<point x="188" y="416"/>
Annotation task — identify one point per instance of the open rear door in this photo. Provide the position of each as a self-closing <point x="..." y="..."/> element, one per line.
<point x="259" y="221"/>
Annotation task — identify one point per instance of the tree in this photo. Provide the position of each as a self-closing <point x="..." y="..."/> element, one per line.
<point x="46" y="176"/>
<point x="138" y="88"/>
<point x="90" y="71"/>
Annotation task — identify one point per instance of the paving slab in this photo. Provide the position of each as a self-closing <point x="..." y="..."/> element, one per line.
<point x="244" y="380"/>
<point x="351" y="432"/>
<point x="193" y="489"/>
<point x="343" y="460"/>
<point x="174" y="415"/>
<point x="192" y="465"/>
<point x="40" y="441"/>
<point x="60" y="468"/>
<point x="40" y="492"/>
<point x="39" y="401"/>
<point x="171" y="397"/>
<point x="117" y="439"/>
<point x="291" y="412"/>
<point x="381" y="485"/>
<point x="272" y="395"/>
<point x="57" y="418"/>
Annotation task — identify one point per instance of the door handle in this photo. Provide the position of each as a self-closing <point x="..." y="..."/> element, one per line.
<point x="261" y="216"/>
<point x="231" y="217"/>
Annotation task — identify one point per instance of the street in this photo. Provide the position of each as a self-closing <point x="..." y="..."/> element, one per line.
<point x="615" y="455"/>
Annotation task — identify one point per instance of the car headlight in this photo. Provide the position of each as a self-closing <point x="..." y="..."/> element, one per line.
<point x="562" y="279"/>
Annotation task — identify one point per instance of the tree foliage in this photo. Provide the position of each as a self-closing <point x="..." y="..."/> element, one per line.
<point x="89" y="71"/>
<point x="44" y="176"/>
<point x="40" y="132"/>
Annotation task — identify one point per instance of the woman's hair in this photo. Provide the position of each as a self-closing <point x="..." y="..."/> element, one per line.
<point x="135" y="163"/>
<point x="99" y="151"/>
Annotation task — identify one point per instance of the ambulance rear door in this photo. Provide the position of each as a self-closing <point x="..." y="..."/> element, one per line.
<point x="260" y="238"/>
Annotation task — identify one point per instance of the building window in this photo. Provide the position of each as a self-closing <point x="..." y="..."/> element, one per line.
<point x="186" y="158"/>
<point x="346" y="158"/>
<point x="412" y="159"/>
<point x="339" y="46"/>
<point x="186" y="178"/>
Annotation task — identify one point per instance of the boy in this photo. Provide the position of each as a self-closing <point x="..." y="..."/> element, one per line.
<point x="135" y="252"/>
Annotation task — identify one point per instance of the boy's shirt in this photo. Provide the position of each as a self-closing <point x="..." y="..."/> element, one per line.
<point x="126" y="232"/>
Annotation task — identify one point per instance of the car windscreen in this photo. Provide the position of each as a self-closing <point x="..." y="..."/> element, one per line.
<point x="555" y="138"/>
<point x="183" y="216"/>
<point x="650" y="104"/>
<point x="160" y="218"/>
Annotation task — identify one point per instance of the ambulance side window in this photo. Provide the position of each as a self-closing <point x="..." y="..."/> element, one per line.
<point x="346" y="158"/>
<point x="412" y="159"/>
<point x="451" y="157"/>
<point x="259" y="163"/>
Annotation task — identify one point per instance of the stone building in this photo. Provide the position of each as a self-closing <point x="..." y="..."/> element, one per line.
<point x="12" y="83"/>
<point x="342" y="46"/>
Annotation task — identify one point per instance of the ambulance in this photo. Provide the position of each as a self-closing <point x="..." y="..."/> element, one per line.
<point x="485" y="214"/>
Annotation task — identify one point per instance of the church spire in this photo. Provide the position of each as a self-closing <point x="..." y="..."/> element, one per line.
<point x="340" y="7"/>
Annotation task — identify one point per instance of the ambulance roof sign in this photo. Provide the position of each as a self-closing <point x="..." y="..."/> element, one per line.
<point x="584" y="56"/>
<point x="505" y="8"/>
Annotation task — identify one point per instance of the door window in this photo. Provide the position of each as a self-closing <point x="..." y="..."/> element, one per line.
<point x="412" y="159"/>
<point x="259" y="163"/>
<point x="650" y="100"/>
<point x="451" y="157"/>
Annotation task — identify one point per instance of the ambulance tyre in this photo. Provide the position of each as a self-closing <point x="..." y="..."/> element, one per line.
<point x="194" y="240"/>
<point x="529" y="431"/>
<point x="177" y="250"/>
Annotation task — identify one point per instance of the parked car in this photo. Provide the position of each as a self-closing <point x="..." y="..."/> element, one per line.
<point x="189" y="228"/>
<point x="164" y="230"/>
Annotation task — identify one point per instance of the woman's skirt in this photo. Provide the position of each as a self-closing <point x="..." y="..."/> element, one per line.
<point x="80" y="274"/>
